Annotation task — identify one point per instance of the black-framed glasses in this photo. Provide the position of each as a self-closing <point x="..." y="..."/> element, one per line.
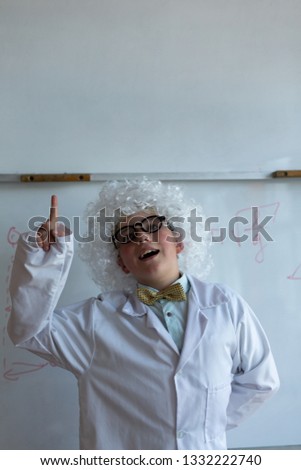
<point x="129" y="233"/>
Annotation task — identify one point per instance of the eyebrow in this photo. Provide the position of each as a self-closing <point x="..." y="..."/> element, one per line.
<point x="133" y="223"/>
<point x="134" y="219"/>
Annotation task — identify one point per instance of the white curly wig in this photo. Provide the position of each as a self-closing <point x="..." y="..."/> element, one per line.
<point x="126" y="198"/>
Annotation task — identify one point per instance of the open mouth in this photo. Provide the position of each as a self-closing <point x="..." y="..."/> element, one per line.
<point x="148" y="254"/>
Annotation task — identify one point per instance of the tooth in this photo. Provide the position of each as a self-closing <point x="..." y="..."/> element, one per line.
<point x="146" y="253"/>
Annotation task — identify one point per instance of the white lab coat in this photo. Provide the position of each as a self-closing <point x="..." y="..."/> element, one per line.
<point x="135" y="390"/>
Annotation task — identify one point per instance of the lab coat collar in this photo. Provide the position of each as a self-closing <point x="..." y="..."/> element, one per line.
<point x="195" y="328"/>
<point x="203" y="298"/>
<point x="205" y="295"/>
<point x="135" y="308"/>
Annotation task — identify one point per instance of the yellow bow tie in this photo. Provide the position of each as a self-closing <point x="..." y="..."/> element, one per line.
<point x="149" y="297"/>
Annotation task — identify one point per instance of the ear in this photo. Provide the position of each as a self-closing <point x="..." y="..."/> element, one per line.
<point x="179" y="247"/>
<point x="122" y="265"/>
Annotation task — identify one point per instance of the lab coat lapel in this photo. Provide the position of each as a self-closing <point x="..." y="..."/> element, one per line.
<point x="153" y="321"/>
<point x="195" y="327"/>
<point x="134" y="307"/>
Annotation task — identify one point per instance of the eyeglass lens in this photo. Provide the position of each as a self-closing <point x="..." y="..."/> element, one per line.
<point x="149" y="224"/>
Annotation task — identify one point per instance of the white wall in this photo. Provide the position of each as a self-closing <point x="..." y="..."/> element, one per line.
<point x="153" y="86"/>
<point x="140" y="85"/>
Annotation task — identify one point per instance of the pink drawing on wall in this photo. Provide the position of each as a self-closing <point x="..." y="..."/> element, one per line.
<point x="263" y="211"/>
<point x="296" y="275"/>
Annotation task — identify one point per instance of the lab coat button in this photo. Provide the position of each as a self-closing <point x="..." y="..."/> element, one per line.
<point x="180" y="434"/>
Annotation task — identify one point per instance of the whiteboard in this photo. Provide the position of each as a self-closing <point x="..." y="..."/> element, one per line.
<point x="140" y="85"/>
<point x="39" y="403"/>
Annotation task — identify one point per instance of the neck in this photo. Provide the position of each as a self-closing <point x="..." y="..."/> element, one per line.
<point x="161" y="284"/>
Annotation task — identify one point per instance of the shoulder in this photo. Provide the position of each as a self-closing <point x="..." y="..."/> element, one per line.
<point x="212" y="293"/>
<point x="220" y="297"/>
<point x="88" y="309"/>
<point x="219" y="294"/>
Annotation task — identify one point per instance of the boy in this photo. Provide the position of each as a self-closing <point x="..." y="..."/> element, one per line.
<point x="155" y="369"/>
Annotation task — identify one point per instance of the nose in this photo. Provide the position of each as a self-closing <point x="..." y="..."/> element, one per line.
<point x="142" y="237"/>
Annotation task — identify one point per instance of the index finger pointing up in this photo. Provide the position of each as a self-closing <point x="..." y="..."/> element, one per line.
<point x="53" y="209"/>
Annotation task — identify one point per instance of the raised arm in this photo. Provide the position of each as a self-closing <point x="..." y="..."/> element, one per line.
<point x="39" y="273"/>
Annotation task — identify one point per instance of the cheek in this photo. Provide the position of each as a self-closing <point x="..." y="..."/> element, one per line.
<point x="121" y="263"/>
<point x="167" y="239"/>
<point x="125" y="258"/>
<point x="164" y="236"/>
<point x="169" y="244"/>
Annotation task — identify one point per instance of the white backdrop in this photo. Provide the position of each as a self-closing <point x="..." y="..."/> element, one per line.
<point x="154" y="86"/>
<point x="149" y="85"/>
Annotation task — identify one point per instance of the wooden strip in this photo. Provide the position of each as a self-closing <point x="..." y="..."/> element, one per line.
<point x="55" y="178"/>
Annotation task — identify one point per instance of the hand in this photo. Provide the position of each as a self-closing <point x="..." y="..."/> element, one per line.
<point x="50" y="230"/>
